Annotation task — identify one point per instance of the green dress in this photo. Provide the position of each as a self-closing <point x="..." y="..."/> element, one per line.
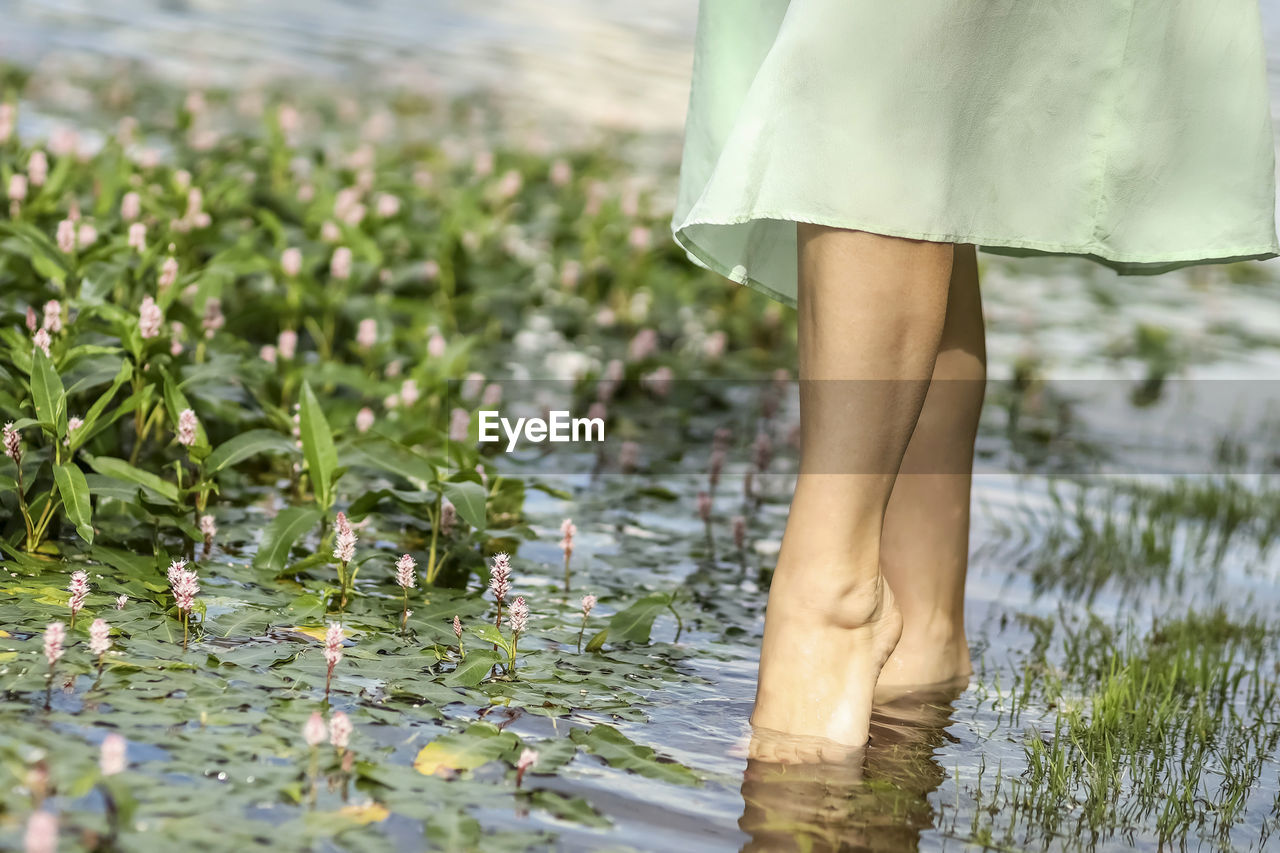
<point x="1136" y="133"/>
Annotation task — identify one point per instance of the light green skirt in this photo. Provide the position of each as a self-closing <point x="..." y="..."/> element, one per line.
<point x="1136" y="133"/>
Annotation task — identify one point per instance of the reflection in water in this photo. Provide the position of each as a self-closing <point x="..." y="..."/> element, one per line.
<point x="877" y="800"/>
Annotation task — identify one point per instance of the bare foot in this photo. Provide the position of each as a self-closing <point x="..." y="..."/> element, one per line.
<point x="925" y="659"/>
<point x="820" y="661"/>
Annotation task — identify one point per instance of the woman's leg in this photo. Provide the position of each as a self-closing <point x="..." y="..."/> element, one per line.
<point x="871" y="312"/>
<point x="924" y="550"/>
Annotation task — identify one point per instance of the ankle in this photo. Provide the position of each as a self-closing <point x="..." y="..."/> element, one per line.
<point x="836" y="604"/>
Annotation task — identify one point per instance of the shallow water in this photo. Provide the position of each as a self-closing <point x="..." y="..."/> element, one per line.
<point x="919" y="784"/>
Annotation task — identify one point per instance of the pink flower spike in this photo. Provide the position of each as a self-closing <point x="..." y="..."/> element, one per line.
<point x="500" y="577"/>
<point x="367" y="333"/>
<point x="364" y="419"/>
<point x="457" y="626"/>
<point x="175" y="568"/>
<point x="344" y="548"/>
<point x="405" y="575"/>
<point x="99" y="637"/>
<point x="519" y="615"/>
<point x="526" y="760"/>
<point x="42" y="833"/>
<point x="66" y="236"/>
<point x="130" y="208"/>
<point x="567" y="531"/>
<point x="188" y="424"/>
<point x="333" y="644"/>
<point x="315" y="731"/>
<point x="291" y="261"/>
<point x="208" y="529"/>
<point x="38" y="168"/>
<point x="12" y="443"/>
<point x="588" y="603"/>
<point x="150" y="317"/>
<point x="340" y="264"/>
<point x="53" y="316"/>
<point x="185" y="589"/>
<point x="121" y="601"/>
<point x="42" y="340"/>
<point x="340" y="729"/>
<point x="739" y="532"/>
<point x="113" y="759"/>
<point x="288" y="344"/>
<point x="55" y="633"/>
<point x="79" y="589"/>
<point x="213" y="319"/>
<point x="704" y="506"/>
<point x="168" y="273"/>
<point x="138" y="237"/>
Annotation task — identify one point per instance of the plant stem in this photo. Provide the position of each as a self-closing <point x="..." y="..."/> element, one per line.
<point x="432" y="568"/>
<point x="582" y="631"/>
<point x="566" y="573"/>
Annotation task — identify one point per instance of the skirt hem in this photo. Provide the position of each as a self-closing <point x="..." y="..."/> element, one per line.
<point x="1124" y="263"/>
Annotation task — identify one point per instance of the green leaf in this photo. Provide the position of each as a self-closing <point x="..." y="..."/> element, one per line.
<point x="317" y="447"/>
<point x="596" y="643"/>
<point x="474" y="668"/>
<point x="469" y="500"/>
<point x="48" y="394"/>
<point x="110" y="487"/>
<point x="489" y="633"/>
<point x="121" y="470"/>
<point x="284" y="530"/>
<point x="393" y="457"/>
<point x="634" y="624"/>
<point x="466" y="750"/>
<point x="619" y="751"/>
<point x="75" y="498"/>
<point x="246" y="444"/>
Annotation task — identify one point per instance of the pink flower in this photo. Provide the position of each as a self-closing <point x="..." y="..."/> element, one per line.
<point x="12" y="443"/>
<point x="640" y="238"/>
<point x="436" y="345"/>
<point x="86" y="235"/>
<point x="130" y="207"/>
<point x="500" y="577"/>
<point x="704" y="506"/>
<point x="138" y="237"/>
<point x="364" y="419"/>
<point x="213" y="319"/>
<point x="168" y="272"/>
<point x="208" y="529"/>
<point x="739" y="532"/>
<point x="523" y="763"/>
<point x="268" y="353"/>
<point x="510" y="184"/>
<point x="344" y="548"/>
<point x="340" y="264"/>
<point x="99" y="637"/>
<point x="291" y="261"/>
<point x="185" y="588"/>
<point x="66" y="236"/>
<point x="659" y="381"/>
<point x="288" y="344"/>
<point x="340" y="729"/>
<point x="448" y="517"/>
<point x="18" y="187"/>
<point x="567" y="531"/>
<point x="38" y="168"/>
<point x="367" y="333"/>
<point x="588" y="602"/>
<point x="492" y="395"/>
<point x="42" y="833"/>
<point x="457" y="626"/>
<point x="32" y="322"/>
<point x="387" y="205"/>
<point x="174" y="568"/>
<point x="74" y="423"/>
<point x="121" y="601"/>
<point x="459" y="425"/>
<point x="6" y="121"/>
<point x="330" y="233"/>
<point x="188" y="424"/>
<point x="53" y="316"/>
<point x="314" y="731"/>
<point x="79" y="589"/>
<point x="149" y="318"/>
<point x="430" y="269"/>
<point x="472" y="385"/>
<point x="409" y="393"/>
<point x="112" y="759"/>
<point x="333" y="644"/>
<point x="405" y="575"/>
<point x="41" y="339"/>
<point x="561" y="173"/>
<point x="713" y="346"/>
<point x="175" y="338"/>
<point x="642" y="345"/>
<point x="519" y="615"/>
<point x="55" y="633"/>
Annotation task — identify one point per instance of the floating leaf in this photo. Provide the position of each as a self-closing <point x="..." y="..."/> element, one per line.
<point x="366" y="813"/>
<point x="620" y="751"/>
<point x="475" y="668"/>
<point x="467" y="750"/>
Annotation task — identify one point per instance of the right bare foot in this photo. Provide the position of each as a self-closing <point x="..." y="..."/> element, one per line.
<point x="820" y="660"/>
<point x="925" y="659"/>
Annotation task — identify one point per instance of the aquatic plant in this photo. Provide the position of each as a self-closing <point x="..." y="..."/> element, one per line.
<point x="406" y="577"/>
<point x="567" y="531"/>
<point x="344" y="550"/>
<point x="99" y="641"/>
<point x="332" y="652"/>
<point x="588" y="603"/>
<point x="79" y="589"/>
